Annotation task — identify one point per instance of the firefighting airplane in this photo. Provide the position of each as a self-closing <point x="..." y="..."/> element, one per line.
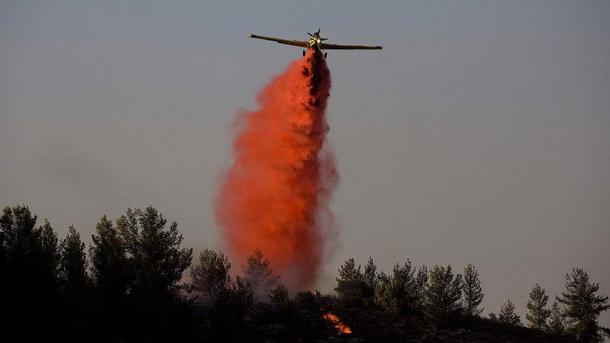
<point x="316" y="42"/>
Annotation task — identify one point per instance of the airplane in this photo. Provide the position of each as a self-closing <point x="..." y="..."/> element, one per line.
<point x="316" y="42"/>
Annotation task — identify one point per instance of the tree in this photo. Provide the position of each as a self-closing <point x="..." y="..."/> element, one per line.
<point x="156" y="262"/>
<point x="422" y="280"/>
<point x="350" y="283"/>
<point x="259" y="276"/>
<point x="473" y="294"/>
<point x="29" y="256"/>
<point x="28" y="279"/>
<point x="442" y="294"/>
<point x="508" y="315"/>
<point x="370" y="278"/>
<point x="3" y="263"/>
<point x="402" y="291"/>
<point x="231" y="313"/>
<point x="154" y="253"/>
<point x="19" y="242"/>
<point x="235" y="301"/>
<point x="557" y="323"/>
<point x="583" y="306"/>
<point x="211" y="275"/>
<point x="73" y="264"/>
<point x="537" y="312"/>
<point x="109" y="265"/>
<point x="49" y="253"/>
<point x="279" y="295"/>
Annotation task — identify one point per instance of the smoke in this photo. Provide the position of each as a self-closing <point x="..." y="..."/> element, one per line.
<point x="275" y="195"/>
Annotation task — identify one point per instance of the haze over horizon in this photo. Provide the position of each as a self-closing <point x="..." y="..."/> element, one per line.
<point x="480" y="134"/>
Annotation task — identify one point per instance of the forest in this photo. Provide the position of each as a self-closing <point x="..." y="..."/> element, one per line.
<point x="136" y="282"/>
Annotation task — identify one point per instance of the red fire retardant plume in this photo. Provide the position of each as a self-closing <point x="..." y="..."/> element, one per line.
<point x="275" y="195"/>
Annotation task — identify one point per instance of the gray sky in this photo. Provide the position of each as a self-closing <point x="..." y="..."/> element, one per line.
<point x="480" y="134"/>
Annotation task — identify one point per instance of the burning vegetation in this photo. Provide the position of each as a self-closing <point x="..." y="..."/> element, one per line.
<point x="342" y="329"/>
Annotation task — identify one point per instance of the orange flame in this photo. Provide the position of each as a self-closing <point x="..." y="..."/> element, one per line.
<point x="341" y="328"/>
<point x="275" y="195"/>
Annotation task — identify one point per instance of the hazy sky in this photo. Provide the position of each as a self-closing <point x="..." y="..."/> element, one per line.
<point x="480" y="134"/>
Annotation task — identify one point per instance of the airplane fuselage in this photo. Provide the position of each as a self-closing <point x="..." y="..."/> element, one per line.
<point x="315" y="41"/>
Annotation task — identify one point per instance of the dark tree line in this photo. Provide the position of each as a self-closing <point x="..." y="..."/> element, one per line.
<point x="442" y="297"/>
<point x="127" y="286"/>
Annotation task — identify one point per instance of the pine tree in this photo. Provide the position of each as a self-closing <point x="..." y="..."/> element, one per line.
<point x="401" y="292"/>
<point x="350" y="283"/>
<point x="236" y="299"/>
<point x="2" y="255"/>
<point x="211" y="274"/>
<point x="442" y="294"/>
<point x="583" y="306"/>
<point x="156" y="259"/>
<point x="73" y="264"/>
<point x="232" y="314"/>
<point x="537" y="312"/>
<point x="19" y="242"/>
<point x="422" y="280"/>
<point x="508" y="315"/>
<point x="473" y="295"/>
<point x="279" y="295"/>
<point x="348" y="271"/>
<point x="28" y="275"/>
<point x="259" y="276"/>
<point x="109" y="265"/>
<point x="557" y="323"/>
<point x="49" y="252"/>
<point x="29" y="258"/>
<point x="370" y="278"/>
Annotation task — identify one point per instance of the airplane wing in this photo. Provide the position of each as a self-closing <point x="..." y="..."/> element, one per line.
<point x="302" y="44"/>
<point x="327" y="46"/>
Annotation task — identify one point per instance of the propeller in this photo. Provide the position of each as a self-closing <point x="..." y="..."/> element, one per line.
<point x="316" y="36"/>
